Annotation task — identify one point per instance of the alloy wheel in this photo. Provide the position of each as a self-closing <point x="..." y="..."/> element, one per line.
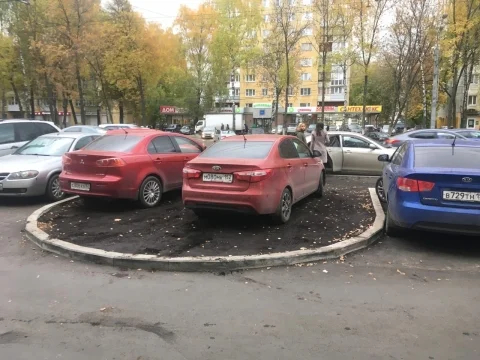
<point x="286" y="204"/>
<point x="56" y="190"/>
<point x="151" y="192"/>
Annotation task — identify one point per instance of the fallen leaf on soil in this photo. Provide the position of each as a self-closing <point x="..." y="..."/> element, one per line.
<point x="325" y="271"/>
<point x="342" y="258"/>
<point x="401" y="273"/>
<point x="117" y="220"/>
<point x="303" y="248"/>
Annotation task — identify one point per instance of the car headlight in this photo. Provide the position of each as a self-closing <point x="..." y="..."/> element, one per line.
<point x="23" y="175"/>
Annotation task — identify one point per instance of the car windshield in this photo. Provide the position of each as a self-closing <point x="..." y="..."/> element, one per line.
<point x="117" y="143"/>
<point x="46" y="146"/>
<point x="354" y="126"/>
<point x="458" y="157"/>
<point x="470" y="134"/>
<point x="185" y="127"/>
<point x="238" y="150"/>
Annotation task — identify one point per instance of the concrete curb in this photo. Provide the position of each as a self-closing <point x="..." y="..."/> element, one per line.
<point x="211" y="263"/>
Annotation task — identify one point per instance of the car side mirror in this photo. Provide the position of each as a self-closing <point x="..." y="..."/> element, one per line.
<point x="384" y="158"/>
<point x="373" y="147"/>
<point x="317" y="153"/>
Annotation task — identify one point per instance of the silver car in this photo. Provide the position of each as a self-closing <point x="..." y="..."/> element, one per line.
<point x="354" y="153"/>
<point x="208" y="132"/>
<point x="398" y="140"/>
<point x="85" y="129"/>
<point x="33" y="169"/>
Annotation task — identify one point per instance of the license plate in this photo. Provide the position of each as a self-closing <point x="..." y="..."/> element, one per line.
<point x="222" y="178"/>
<point x="461" y="196"/>
<point x="80" y="186"/>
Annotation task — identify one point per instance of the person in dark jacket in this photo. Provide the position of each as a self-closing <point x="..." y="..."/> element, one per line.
<point x="301" y="132"/>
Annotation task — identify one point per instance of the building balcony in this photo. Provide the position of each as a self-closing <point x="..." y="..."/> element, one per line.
<point x="332" y="97"/>
<point x="235" y="98"/>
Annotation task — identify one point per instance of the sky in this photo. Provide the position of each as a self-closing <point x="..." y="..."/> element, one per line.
<point x="163" y="12"/>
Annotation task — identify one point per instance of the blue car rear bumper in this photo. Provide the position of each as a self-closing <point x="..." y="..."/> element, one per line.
<point x="415" y="215"/>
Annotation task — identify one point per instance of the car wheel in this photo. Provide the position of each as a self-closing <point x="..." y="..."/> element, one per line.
<point x="321" y="183"/>
<point x="380" y="190"/>
<point x="284" y="210"/>
<point x="54" y="192"/>
<point x="390" y="228"/>
<point x="150" y="192"/>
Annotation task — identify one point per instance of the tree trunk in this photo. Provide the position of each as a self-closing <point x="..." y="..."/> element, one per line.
<point x="142" y="100"/>
<point x="74" y="115"/>
<point x="107" y="104"/>
<point x="50" y="100"/>
<point x="424" y="95"/>
<point x="83" y="116"/>
<point x="324" y="64"/>
<point x="277" y="99"/>
<point x="285" y="112"/>
<point x="17" y="98"/>
<point x="120" y="109"/>
<point x="467" y="77"/>
<point x="364" y="102"/>
<point x="65" y="111"/>
<point x="4" y="104"/>
<point x="32" y="102"/>
<point x="345" y="87"/>
<point x="99" y="115"/>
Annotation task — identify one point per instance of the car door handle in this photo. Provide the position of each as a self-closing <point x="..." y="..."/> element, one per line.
<point x="289" y="166"/>
<point x="348" y="151"/>
<point x="14" y="147"/>
<point x="186" y="158"/>
<point x="158" y="159"/>
<point x="306" y="164"/>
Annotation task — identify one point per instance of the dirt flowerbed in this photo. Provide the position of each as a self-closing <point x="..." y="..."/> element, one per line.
<point x="171" y="230"/>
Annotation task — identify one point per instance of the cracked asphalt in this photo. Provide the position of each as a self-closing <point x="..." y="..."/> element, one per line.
<point x="414" y="298"/>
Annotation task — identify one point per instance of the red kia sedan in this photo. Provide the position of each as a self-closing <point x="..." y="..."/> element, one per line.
<point x="129" y="164"/>
<point x="260" y="174"/>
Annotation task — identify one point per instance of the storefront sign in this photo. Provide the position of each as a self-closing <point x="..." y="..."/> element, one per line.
<point x="359" y="109"/>
<point x="48" y="113"/>
<point x="326" y="109"/>
<point x="168" y="109"/>
<point x="261" y="105"/>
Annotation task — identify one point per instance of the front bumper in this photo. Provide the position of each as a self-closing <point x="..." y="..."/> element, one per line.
<point x="207" y="136"/>
<point x="108" y="186"/>
<point x="23" y="188"/>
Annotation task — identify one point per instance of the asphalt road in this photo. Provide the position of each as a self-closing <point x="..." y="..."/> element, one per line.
<point x="413" y="298"/>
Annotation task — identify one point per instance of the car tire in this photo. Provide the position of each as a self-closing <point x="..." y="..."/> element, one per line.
<point x="379" y="189"/>
<point x="390" y="228"/>
<point x="53" y="191"/>
<point x="150" y="192"/>
<point x="284" y="209"/>
<point x="321" y="183"/>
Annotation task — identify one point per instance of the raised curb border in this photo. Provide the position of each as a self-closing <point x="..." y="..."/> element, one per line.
<point x="201" y="264"/>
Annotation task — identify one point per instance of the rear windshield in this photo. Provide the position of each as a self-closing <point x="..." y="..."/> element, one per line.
<point x="448" y="157"/>
<point x="117" y="143"/>
<point x="238" y="150"/>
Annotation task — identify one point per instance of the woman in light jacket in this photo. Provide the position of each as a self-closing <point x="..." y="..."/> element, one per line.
<point x="301" y="132"/>
<point x="319" y="141"/>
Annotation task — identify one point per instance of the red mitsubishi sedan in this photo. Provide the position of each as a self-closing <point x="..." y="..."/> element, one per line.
<point x="259" y="174"/>
<point x="129" y="164"/>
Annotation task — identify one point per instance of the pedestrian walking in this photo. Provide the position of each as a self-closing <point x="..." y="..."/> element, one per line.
<point x="228" y="127"/>
<point x="301" y="132"/>
<point x="245" y="128"/>
<point x="222" y="127"/>
<point x="320" y="141"/>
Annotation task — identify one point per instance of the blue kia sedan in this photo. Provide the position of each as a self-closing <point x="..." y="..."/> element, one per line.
<point x="433" y="185"/>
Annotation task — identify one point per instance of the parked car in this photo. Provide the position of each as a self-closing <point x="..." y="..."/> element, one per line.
<point x="139" y="165"/>
<point x="278" y="130"/>
<point x="355" y="128"/>
<point x="292" y="129"/>
<point x="187" y="130"/>
<point x="354" y="153"/>
<point x="433" y="186"/>
<point x="222" y="134"/>
<point x="377" y="136"/>
<point x="33" y="169"/>
<point x="398" y="140"/>
<point x="256" y="131"/>
<point x="16" y="133"/>
<point x="470" y="134"/>
<point x="175" y="128"/>
<point x="310" y="128"/>
<point x="208" y="132"/>
<point x="118" y="126"/>
<point x="85" y="129"/>
<point x="259" y="174"/>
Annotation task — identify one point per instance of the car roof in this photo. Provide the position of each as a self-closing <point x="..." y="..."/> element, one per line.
<point x="443" y="142"/>
<point x="25" y="120"/>
<point x="136" y="131"/>
<point x="71" y="135"/>
<point x="258" y="137"/>
<point x="84" y="126"/>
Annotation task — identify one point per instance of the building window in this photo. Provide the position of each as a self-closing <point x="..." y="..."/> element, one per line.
<point x="307" y="16"/>
<point x="335" y="90"/>
<point x="306" y="46"/>
<point x="266" y="18"/>
<point x="305" y="91"/>
<point x="304" y="104"/>
<point x="12" y="101"/>
<point x="475" y="79"/>
<point x="337" y="82"/>
<point x="307" y="32"/>
<point x="249" y="105"/>
<point x="250" y="78"/>
<point x="306" y="62"/>
<point x="264" y="78"/>
<point x="264" y="92"/>
<point x="265" y="33"/>
<point x="251" y="35"/>
<point x="265" y="3"/>
<point x="472" y="100"/>
<point x="306" y="76"/>
<point x="237" y="77"/>
<point x="236" y="92"/>
<point x="290" y="104"/>
<point x="307" y="2"/>
<point x="290" y="90"/>
<point x="250" y="92"/>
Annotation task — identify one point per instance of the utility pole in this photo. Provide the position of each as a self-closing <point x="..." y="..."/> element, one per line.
<point x="232" y="80"/>
<point x="436" y="65"/>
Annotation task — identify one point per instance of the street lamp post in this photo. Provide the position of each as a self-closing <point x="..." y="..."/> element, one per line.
<point x="436" y="70"/>
<point x="232" y="80"/>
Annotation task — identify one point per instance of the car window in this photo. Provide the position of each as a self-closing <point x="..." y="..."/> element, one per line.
<point x="354" y="142"/>
<point x="397" y="158"/>
<point x="46" y="146"/>
<point x="116" y="143"/>
<point x="424" y="135"/>
<point x="238" y="150"/>
<point x="26" y="131"/>
<point x="73" y="129"/>
<point x="161" y="145"/>
<point x="302" y="149"/>
<point x="287" y="150"/>
<point x="459" y="157"/>
<point x="45" y="128"/>
<point x="470" y="134"/>
<point x="334" y="141"/>
<point x="7" y="133"/>
<point x="187" y="145"/>
<point x="83" y="142"/>
<point x="442" y="135"/>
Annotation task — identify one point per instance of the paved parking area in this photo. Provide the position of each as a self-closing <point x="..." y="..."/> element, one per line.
<point x="414" y="298"/>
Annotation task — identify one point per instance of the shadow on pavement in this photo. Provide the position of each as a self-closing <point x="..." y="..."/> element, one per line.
<point x="20" y="202"/>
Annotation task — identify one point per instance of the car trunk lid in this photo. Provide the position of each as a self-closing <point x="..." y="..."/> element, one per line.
<point x="84" y="163"/>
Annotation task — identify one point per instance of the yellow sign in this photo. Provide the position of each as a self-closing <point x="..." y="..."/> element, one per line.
<point x="359" y="109"/>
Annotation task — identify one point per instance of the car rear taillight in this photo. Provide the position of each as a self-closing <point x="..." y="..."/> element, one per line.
<point x="191" y="173"/>
<point x="411" y="185"/>
<point x="253" y="176"/>
<point x="223" y="137"/>
<point x="66" y="160"/>
<point x="110" y="162"/>
<point x="391" y="141"/>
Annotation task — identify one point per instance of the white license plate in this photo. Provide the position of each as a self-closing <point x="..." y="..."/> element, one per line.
<point x="79" y="186"/>
<point x="461" y="196"/>
<point x="222" y="178"/>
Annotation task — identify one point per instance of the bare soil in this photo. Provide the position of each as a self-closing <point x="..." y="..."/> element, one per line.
<point x="171" y="230"/>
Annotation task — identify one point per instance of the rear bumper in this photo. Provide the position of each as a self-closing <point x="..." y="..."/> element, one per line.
<point x="108" y="186"/>
<point x="414" y="215"/>
<point x="252" y="201"/>
<point x="23" y="188"/>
